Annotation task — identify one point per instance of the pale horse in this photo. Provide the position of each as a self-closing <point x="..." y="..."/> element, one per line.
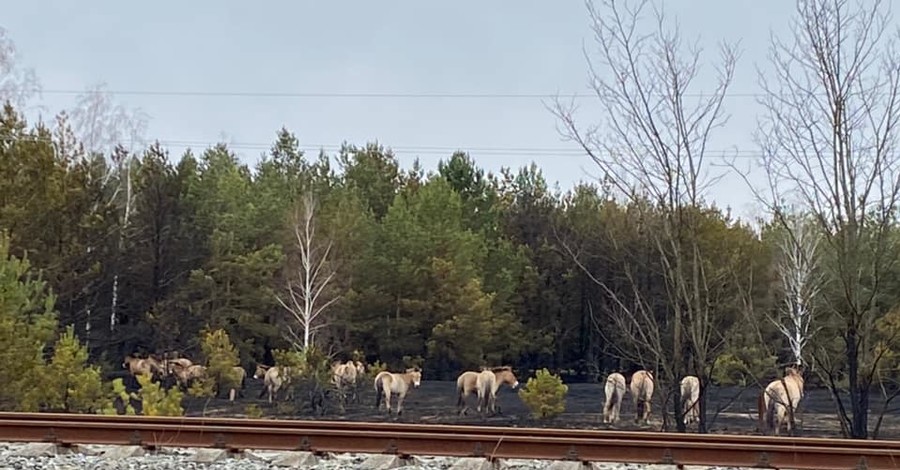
<point x="642" y="392"/>
<point x="690" y="399"/>
<point x="387" y="383"/>
<point x="779" y="401"/>
<point x="615" y="392"/>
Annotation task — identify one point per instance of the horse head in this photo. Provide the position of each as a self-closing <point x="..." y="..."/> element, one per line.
<point x="416" y="374"/>
<point x="506" y="375"/>
<point x="260" y="371"/>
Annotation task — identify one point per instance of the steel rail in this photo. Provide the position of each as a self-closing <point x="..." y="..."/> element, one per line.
<point x="470" y="429"/>
<point x="458" y="441"/>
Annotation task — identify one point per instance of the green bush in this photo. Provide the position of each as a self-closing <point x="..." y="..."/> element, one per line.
<point x="68" y="382"/>
<point x="156" y="401"/>
<point x="253" y="411"/>
<point x="743" y="367"/>
<point x="374" y="369"/>
<point x="119" y="392"/>
<point x="28" y="323"/>
<point x="544" y="394"/>
<point x="221" y="358"/>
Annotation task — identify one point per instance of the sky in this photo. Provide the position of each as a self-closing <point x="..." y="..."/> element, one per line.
<point x="244" y="50"/>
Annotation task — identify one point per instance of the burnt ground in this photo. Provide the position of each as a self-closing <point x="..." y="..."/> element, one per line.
<point x="732" y="410"/>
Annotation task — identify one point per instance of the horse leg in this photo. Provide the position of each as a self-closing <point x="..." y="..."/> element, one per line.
<point x="387" y="400"/>
<point x="400" y="403"/>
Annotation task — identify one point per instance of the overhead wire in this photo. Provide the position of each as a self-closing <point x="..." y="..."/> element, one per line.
<point x="361" y="95"/>
<point x="414" y="149"/>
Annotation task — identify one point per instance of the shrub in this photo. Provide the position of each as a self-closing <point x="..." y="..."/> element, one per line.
<point x="67" y="383"/>
<point x="27" y="323"/>
<point x="119" y="392"/>
<point x="729" y="370"/>
<point x="374" y="369"/>
<point x="253" y="411"/>
<point x="544" y="394"/>
<point x="742" y="367"/>
<point x="156" y="401"/>
<point x="221" y="358"/>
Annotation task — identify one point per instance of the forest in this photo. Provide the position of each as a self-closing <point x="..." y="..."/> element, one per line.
<point x="137" y="251"/>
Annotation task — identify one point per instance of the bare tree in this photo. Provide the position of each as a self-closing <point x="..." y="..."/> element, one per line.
<point x="655" y="149"/>
<point x="309" y="286"/>
<point x="101" y="124"/>
<point x="107" y="128"/>
<point x="829" y="139"/>
<point x="17" y="85"/>
<point x="801" y="281"/>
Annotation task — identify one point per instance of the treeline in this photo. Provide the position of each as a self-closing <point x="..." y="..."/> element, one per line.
<point x="454" y="267"/>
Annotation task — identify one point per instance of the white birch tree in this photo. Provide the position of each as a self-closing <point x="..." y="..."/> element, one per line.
<point x="309" y="286"/>
<point x="829" y="137"/>
<point x="107" y="128"/>
<point x="801" y="280"/>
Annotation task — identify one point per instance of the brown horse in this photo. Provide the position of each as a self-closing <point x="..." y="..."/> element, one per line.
<point x="779" y="401"/>
<point x="146" y="366"/>
<point x="465" y="386"/>
<point x="274" y="378"/>
<point x="488" y="386"/>
<point x="615" y="392"/>
<point x="690" y="399"/>
<point x="642" y="392"/>
<point x="391" y="382"/>
<point x="186" y="374"/>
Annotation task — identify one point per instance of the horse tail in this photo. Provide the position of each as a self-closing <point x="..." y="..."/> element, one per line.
<point x="770" y="412"/>
<point x="460" y="388"/>
<point x="379" y="391"/>
<point x="612" y="395"/>
<point x="761" y="410"/>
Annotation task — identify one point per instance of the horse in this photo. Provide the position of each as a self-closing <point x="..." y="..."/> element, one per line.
<point x="773" y="402"/>
<point x="615" y="392"/>
<point x="465" y="386"/>
<point x="240" y="375"/>
<point x="345" y="376"/>
<point x="185" y="374"/>
<point x="391" y="382"/>
<point x="487" y="387"/>
<point x="147" y="366"/>
<point x="273" y="379"/>
<point x="642" y="392"/>
<point x="690" y="399"/>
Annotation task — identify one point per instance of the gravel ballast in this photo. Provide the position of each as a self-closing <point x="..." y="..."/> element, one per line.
<point x="21" y="457"/>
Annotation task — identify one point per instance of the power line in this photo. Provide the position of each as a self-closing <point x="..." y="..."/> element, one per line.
<point x="420" y="150"/>
<point x="362" y="95"/>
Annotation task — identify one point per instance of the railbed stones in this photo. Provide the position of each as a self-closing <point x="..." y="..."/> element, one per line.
<point x="99" y="457"/>
<point x="477" y="463"/>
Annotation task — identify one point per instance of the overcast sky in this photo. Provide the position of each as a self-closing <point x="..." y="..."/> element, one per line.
<point x="405" y="47"/>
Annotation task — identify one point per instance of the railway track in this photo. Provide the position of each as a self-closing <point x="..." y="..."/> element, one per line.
<point x="453" y="441"/>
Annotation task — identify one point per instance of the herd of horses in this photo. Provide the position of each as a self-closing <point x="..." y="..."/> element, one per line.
<point x="776" y="403"/>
